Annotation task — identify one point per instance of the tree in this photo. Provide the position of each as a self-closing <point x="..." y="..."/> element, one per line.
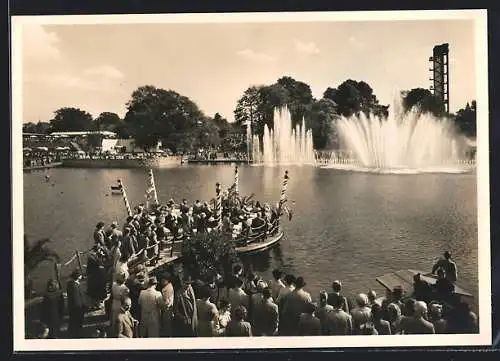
<point x="34" y="255"/>
<point x="40" y="127"/>
<point x="29" y="128"/>
<point x="205" y="255"/>
<point x="107" y="121"/>
<point x="424" y="101"/>
<point x="353" y="97"/>
<point x="71" y="120"/>
<point x="299" y="97"/>
<point x="157" y="114"/>
<point x="322" y="120"/>
<point x="271" y="97"/>
<point x="222" y="124"/>
<point x="466" y="120"/>
<point x="246" y="107"/>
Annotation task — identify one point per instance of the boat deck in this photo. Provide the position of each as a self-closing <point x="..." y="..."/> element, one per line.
<point x="404" y="278"/>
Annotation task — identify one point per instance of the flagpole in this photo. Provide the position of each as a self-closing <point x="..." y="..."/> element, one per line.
<point x="124" y="196"/>
<point x="284" y="187"/>
<point x="236" y="180"/>
<point x="153" y="185"/>
<point x="218" y="207"/>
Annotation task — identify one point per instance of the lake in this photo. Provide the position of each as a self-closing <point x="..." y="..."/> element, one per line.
<point x="350" y="226"/>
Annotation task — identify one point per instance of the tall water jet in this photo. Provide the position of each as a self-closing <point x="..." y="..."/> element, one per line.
<point x="404" y="140"/>
<point x="284" y="144"/>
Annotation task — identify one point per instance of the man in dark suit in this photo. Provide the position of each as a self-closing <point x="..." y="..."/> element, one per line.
<point x="336" y="294"/>
<point x="265" y="315"/>
<point x="76" y="305"/>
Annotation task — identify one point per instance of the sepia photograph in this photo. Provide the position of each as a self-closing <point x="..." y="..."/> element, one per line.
<point x="250" y="180"/>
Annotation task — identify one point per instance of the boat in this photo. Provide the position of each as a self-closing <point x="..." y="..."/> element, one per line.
<point x="404" y="279"/>
<point x="261" y="245"/>
<point x="117" y="189"/>
<point x="259" y="240"/>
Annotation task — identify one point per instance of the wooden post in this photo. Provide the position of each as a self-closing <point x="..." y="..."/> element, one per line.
<point x="79" y="261"/>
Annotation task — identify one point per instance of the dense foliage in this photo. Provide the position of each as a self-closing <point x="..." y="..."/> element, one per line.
<point x="155" y="114"/>
<point x="205" y="255"/>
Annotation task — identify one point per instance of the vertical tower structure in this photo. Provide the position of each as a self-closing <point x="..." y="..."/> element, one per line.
<point x="440" y="75"/>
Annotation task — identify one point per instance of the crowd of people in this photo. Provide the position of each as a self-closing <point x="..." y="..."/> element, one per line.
<point x="173" y="304"/>
<point x="34" y="159"/>
<point x="212" y="155"/>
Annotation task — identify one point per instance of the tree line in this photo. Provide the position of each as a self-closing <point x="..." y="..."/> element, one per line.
<point x="155" y="114"/>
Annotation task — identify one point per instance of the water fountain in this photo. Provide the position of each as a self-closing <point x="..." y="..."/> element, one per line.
<point x="403" y="143"/>
<point x="284" y="144"/>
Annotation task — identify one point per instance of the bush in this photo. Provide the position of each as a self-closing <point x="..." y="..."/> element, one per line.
<point x="205" y="255"/>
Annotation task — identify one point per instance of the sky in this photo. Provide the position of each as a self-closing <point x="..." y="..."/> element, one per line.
<point x="96" y="67"/>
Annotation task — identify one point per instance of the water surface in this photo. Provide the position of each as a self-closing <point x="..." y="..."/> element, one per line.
<point x="351" y="226"/>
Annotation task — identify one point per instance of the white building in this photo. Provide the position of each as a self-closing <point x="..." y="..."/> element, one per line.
<point x="114" y="146"/>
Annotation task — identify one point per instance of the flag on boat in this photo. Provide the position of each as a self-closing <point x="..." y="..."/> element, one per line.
<point x="282" y="206"/>
<point x="125" y="199"/>
<point x="151" y="190"/>
<point x="233" y="190"/>
<point x="218" y="205"/>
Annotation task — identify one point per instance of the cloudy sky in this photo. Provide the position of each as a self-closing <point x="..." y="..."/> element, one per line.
<point x="96" y="67"/>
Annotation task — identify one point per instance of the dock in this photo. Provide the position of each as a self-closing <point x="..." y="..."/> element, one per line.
<point x="217" y="161"/>
<point x="45" y="166"/>
<point x="404" y="279"/>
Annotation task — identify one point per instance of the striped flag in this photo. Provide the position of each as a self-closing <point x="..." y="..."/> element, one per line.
<point x="236" y="180"/>
<point x="283" y="199"/>
<point x="218" y="205"/>
<point x="233" y="190"/>
<point x="151" y="191"/>
<point x="124" y="196"/>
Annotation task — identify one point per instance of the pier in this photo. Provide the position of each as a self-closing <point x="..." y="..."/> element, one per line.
<point x="41" y="167"/>
<point x="217" y="161"/>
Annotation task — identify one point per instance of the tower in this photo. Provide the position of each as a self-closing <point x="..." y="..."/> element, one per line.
<point x="440" y="78"/>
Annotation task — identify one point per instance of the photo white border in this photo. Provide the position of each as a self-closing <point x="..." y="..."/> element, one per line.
<point x="484" y="273"/>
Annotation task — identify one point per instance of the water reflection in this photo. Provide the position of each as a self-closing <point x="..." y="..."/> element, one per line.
<point x="262" y="263"/>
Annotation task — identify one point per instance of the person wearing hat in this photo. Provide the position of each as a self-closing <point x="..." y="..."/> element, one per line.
<point x="294" y="305"/>
<point x="151" y="302"/>
<point x="185" y="310"/>
<point x="76" y="304"/>
<point x="448" y="266"/>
